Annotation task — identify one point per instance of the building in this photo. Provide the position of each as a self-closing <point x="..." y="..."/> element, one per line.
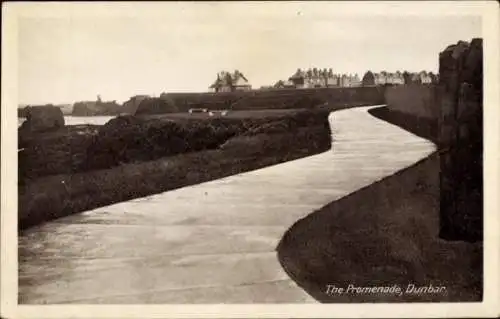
<point x="387" y="78"/>
<point x="317" y="78"/>
<point x="424" y="77"/>
<point x="349" y="80"/>
<point x="395" y="78"/>
<point x="284" y="85"/>
<point x="382" y="78"/>
<point x="398" y="78"/>
<point x="298" y="79"/>
<point x="230" y="82"/>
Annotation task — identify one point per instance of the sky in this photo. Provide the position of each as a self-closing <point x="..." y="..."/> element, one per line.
<point x="180" y="47"/>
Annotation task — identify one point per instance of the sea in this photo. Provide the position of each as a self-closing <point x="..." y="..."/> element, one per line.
<point x="78" y="120"/>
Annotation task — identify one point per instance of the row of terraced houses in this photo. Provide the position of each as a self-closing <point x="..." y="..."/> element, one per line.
<point x="323" y="78"/>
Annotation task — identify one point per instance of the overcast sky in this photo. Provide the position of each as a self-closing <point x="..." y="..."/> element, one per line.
<point x="181" y="47"/>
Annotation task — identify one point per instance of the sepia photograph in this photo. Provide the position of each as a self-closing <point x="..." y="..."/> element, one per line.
<point x="295" y="153"/>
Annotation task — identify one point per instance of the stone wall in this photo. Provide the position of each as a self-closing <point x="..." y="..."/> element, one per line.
<point x="461" y="140"/>
<point x="272" y="99"/>
<point x="420" y="100"/>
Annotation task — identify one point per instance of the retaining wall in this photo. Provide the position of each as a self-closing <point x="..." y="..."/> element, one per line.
<point x="420" y="100"/>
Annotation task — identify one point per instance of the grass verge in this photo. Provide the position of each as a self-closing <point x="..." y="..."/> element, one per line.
<point x="385" y="234"/>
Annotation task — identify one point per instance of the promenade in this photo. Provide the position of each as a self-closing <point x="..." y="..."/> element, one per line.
<point x="213" y="242"/>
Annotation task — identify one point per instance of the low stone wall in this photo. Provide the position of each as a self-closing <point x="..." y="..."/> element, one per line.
<point x="420" y="100"/>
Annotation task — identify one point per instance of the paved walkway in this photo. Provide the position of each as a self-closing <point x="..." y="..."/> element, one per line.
<point x="210" y="243"/>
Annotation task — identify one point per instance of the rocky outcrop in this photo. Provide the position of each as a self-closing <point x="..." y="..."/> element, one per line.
<point x="131" y="106"/>
<point x="22" y="111"/>
<point x="42" y="119"/>
<point x="461" y="139"/>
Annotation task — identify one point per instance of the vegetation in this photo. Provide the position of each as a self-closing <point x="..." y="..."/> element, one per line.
<point x="58" y="152"/>
<point x="153" y="155"/>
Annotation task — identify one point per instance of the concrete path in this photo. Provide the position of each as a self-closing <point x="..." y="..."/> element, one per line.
<point x="210" y="243"/>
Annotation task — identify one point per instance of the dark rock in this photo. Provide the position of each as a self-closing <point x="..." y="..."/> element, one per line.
<point x="461" y="138"/>
<point x="472" y="69"/>
<point x="42" y="119"/>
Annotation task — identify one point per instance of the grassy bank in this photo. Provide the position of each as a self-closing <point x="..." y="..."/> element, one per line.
<point x="127" y="139"/>
<point x="268" y="141"/>
<point x="467" y="176"/>
<point x="383" y="235"/>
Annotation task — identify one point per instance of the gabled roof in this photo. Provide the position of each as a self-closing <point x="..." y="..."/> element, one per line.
<point x="298" y="74"/>
<point x="239" y="79"/>
<point x="230" y="79"/>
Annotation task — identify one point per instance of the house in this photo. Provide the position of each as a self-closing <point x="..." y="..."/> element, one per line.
<point x="230" y="82"/>
<point x="425" y="77"/>
<point x="383" y="78"/>
<point x="284" y="85"/>
<point x="298" y="79"/>
<point x="322" y="78"/>
<point x="349" y="80"/>
<point x="422" y="77"/>
<point x="331" y="79"/>
<point x="399" y="78"/>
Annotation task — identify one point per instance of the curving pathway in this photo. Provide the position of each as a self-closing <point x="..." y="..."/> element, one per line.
<point x="213" y="242"/>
